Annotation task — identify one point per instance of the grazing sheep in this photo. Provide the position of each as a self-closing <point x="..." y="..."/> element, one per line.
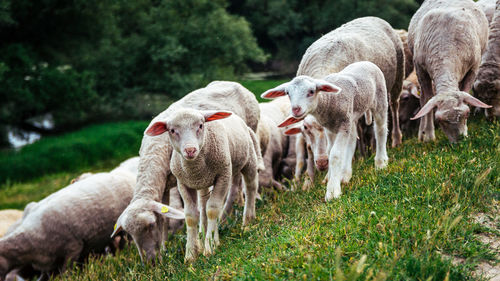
<point x="209" y="154"/>
<point x="488" y="7"/>
<point x="363" y="39"/>
<point x="69" y="224"/>
<point x="273" y="142"/>
<point x="447" y="38"/>
<point x="311" y="138"/>
<point x="487" y="85"/>
<point x="8" y="218"/>
<point x="403" y="35"/>
<point x="337" y="102"/>
<point x="155" y="178"/>
<point x="409" y="105"/>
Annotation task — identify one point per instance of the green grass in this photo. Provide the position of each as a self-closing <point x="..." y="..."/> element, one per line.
<point x="392" y="224"/>
<point x="260" y="86"/>
<point x="72" y="152"/>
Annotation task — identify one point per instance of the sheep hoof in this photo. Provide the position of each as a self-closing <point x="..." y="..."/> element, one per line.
<point x="381" y="163"/>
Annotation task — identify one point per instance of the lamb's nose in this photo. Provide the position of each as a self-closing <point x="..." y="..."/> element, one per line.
<point x="190" y="151"/>
<point x="322" y="164"/>
<point x="296" y="110"/>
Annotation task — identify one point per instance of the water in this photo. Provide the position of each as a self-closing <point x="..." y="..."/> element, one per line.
<point x="19" y="138"/>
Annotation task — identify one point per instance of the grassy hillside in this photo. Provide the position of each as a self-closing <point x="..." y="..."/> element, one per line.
<point x="393" y="224"/>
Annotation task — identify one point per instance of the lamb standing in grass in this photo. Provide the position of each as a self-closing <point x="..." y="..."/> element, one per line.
<point x="337" y="102"/>
<point x="447" y="38"/>
<point x="155" y="179"/>
<point x="209" y="154"/>
<point x="69" y="224"/>
<point x="363" y="39"/>
<point x="487" y="85"/>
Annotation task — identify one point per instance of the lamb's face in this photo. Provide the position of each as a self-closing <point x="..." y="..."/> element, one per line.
<point x="186" y="131"/>
<point x="452" y="114"/>
<point x="302" y="92"/>
<point x="316" y="137"/>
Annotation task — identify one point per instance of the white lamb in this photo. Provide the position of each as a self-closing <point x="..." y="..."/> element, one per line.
<point x="337" y="102"/>
<point x="69" y="224"/>
<point x="209" y="154"/>
<point x="155" y="178"/>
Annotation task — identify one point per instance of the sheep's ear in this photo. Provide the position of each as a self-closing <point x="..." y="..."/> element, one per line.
<point x="118" y="227"/>
<point x="215" y="115"/>
<point x="167" y="211"/>
<point x="473" y="101"/>
<point x="278" y="91"/>
<point x="156" y="129"/>
<point x="426" y="109"/>
<point x="324" y="86"/>
<point x="293" y="131"/>
<point x="289" y="121"/>
<point x="414" y="91"/>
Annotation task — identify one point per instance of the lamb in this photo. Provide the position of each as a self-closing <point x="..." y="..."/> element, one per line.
<point x="488" y="7"/>
<point x="363" y="39"/>
<point x="273" y="142"/>
<point x="209" y="154"/>
<point x="69" y="224"/>
<point x="487" y="84"/>
<point x="337" y="102"/>
<point x="409" y="105"/>
<point x="155" y="178"/>
<point x="311" y="138"/>
<point x="8" y="218"/>
<point x="447" y="38"/>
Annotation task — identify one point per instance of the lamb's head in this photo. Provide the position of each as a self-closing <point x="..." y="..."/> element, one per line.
<point x="489" y="91"/>
<point x="303" y="92"/>
<point x="186" y="129"/>
<point x="409" y="104"/>
<point x="452" y="112"/>
<point x="144" y="220"/>
<point x="315" y="136"/>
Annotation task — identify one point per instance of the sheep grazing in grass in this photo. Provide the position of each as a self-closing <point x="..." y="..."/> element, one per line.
<point x="447" y="38"/>
<point x="487" y="84"/>
<point x="338" y="101"/>
<point x="409" y="105"/>
<point x="363" y="39"/>
<point x="273" y="143"/>
<point x="154" y="179"/>
<point x="208" y="153"/>
<point x="311" y="139"/>
<point x="69" y="224"/>
<point x="8" y="218"/>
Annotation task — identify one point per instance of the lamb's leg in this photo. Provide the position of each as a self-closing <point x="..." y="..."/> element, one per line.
<point x="192" y="218"/>
<point x="349" y="154"/>
<point x="231" y="198"/>
<point x="300" y="155"/>
<point x="165" y="222"/>
<point x="330" y="138"/>
<point x="380" y="128"/>
<point x="214" y="209"/>
<point x="397" y="136"/>
<point x="426" y="128"/>
<point x="336" y="161"/>
<point x="251" y="184"/>
<point x="203" y="195"/>
<point x="308" y="182"/>
<point x="74" y="250"/>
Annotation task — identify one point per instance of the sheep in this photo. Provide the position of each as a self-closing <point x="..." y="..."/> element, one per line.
<point x="363" y="39"/>
<point x="409" y="105"/>
<point x="8" y="218"/>
<point x="487" y="84"/>
<point x="272" y="140"/>
<point x="206" y="154"/>
<point x="155" y="178"/>
<point x="403" y="35"/>
<point x="311" y="137"/>
<point x="69" y="224"/>
<point x="447" y="38"/>
<point x="488" y="7"/>
<point x="338" y="101"/>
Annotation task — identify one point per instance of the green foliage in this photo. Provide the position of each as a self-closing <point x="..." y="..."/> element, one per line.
<point x="287" y="28"/>
<point x="260" y="86"/>
<point x="72" y="152"/>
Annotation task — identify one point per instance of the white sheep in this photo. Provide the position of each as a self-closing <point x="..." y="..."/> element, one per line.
<point x="311" y="137"/>
<point x="8" y="218"/>
<point x="155" y="178"/>
<point x="209" y="154"/>
<point x="447" y="38"/>
<point x="69" y="224"/>
<point x="363" y="39"/>
<point x="487" y="84"/>
<point x="338" y="101"/>
<point x="488" y="7"/>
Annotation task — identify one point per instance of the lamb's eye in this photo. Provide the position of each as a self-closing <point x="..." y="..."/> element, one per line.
<point x="305" y="127"/>
<point x="172" y="131"/>
<point x="201" y="126"/>
<point x="311" y="92"/>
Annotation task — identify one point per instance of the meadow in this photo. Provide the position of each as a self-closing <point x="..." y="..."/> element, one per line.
<point x="412" y="221"/>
